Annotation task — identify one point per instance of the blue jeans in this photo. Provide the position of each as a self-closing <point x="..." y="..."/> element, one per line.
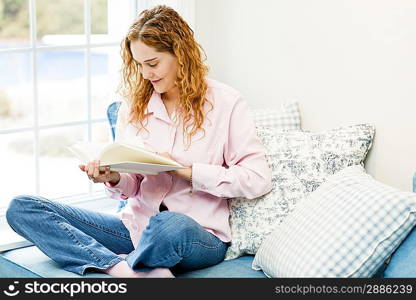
<point x="81" y="240"/>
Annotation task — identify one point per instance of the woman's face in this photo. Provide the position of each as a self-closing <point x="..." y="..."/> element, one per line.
<point x="158" y="67"/>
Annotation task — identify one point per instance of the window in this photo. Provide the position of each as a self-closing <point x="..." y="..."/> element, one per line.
<point x="60" y="61"/>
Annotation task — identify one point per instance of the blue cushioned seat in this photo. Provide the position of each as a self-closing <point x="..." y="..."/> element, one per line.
<point x="31" y="262"/>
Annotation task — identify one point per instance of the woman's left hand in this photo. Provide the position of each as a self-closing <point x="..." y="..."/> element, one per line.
<point x="181" y="173"/>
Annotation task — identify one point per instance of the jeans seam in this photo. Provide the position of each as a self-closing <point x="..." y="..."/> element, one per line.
<point x="101" y="264"/>
<point x="208" y="247"/>
<point x="77" y="241"/>
<point x="86" y="222"/>
<point x="167" y="258"/>
<point x="97" y="259"/>
<point x="112" y="262"/>
<point x="202" y="245"/>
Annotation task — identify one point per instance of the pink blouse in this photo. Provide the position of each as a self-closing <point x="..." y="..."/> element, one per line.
<point x="227" y="161"/>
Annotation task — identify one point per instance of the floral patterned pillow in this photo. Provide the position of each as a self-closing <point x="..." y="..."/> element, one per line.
<point x="300" y="161"/>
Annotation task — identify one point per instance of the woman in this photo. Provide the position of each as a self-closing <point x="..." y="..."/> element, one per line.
<point x="174" y="221"/>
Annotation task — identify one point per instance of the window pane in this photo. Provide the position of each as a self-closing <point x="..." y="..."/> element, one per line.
<point x="61" y="86"/>
<point x="60" y="22"/>
<point x="99" y="21"/>
<point x="18" y="163"/>
<point x="14" y="24"/>
<point x="16" y="101"/>
<point x="59" y="172"/>
<point x="101" y="132"/>
<point x="105" y="65"/>
<point x="110" y="20"/>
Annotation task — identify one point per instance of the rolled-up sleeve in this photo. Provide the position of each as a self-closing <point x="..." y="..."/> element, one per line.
<point x="127" y="187"/>
<point x="246" y="173"/>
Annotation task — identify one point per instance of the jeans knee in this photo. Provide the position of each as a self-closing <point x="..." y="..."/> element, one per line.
<point x="172" y="227"/>
<point x="172" y="220"/>
<point x="17" y="208"/>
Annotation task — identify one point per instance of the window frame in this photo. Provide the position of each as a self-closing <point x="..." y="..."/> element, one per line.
<point x="33" y="49"/>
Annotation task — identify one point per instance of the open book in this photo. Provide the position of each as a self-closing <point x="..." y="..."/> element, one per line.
<point x="124" y="158"/>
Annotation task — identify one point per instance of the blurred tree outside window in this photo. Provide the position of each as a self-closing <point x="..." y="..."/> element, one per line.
<point x="52" y="17"/>
<point x="14" y="22"/>
<point x="59" y="17"/>
<point x="99" y="17"/>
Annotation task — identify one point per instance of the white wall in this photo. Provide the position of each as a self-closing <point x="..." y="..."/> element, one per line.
<point x="346" y="62"/>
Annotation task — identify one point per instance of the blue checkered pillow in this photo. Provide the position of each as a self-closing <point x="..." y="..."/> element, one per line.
<point x="346" y="228"/>
<point x="287" y="117"/>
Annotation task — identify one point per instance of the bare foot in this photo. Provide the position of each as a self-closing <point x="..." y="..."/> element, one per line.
<point x="123" y="270"/>
<point x="160" y="273"/>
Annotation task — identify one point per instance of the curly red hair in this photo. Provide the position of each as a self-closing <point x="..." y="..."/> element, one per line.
<point x="164" y="29"/>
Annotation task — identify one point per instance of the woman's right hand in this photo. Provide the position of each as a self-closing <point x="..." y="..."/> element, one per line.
<point x="93" y="172"/>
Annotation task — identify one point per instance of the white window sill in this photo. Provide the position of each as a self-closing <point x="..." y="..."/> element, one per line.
<point x="11" y="240"/>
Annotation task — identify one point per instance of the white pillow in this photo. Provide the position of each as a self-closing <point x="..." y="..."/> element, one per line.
<point x="347" y="228"/>
<point x="300" y="162"/>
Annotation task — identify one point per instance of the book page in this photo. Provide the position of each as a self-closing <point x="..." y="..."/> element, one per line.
<point x="87" y="151"/>
<point x="124" y="158"/>
<point x="141" y="168"/>
<point x="121" y="152"/>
